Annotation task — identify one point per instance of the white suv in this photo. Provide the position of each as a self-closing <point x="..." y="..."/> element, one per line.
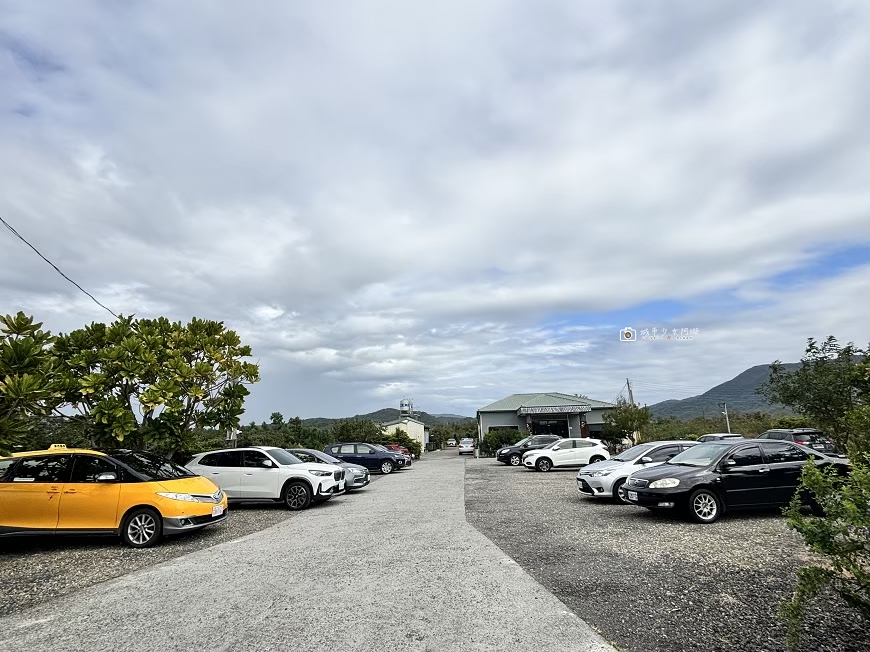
<point x="263" y="473"/>
<point x="575" y="451"/>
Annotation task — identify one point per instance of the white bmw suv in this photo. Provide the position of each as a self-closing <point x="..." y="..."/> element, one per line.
<point x="264" y="473"/>
<point x="575" y="451"/>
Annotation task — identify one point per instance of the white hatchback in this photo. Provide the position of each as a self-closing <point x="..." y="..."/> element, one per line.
<point x="267" y="473"/>
<point x="565" y="453"/>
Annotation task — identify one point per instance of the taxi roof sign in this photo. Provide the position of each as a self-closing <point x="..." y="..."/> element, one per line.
<point x="54" y="447"/>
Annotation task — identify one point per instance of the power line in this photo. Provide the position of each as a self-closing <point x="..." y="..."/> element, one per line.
<point x="20" y="237"/>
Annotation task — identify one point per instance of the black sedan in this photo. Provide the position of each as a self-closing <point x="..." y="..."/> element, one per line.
<point x="710" y="478"/>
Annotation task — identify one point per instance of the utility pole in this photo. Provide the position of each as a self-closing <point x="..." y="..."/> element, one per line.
<point x="727" y="422"/>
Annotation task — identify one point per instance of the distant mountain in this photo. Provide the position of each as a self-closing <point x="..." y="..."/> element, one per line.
<point x="739" y="393"/>
<point x="389" y="414"/>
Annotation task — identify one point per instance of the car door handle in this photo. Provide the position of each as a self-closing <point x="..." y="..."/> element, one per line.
<point x="69" y="491"/>
<point x="764" y="469"/>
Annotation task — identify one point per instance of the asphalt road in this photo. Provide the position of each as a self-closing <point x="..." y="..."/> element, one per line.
<point x="651" y="583"/>
<point x="394" y="568"/>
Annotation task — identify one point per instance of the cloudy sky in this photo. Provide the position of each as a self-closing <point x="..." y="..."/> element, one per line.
<point x="448" y="201"/>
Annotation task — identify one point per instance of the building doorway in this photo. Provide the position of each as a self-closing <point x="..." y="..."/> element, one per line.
<point x="558" y="427"/>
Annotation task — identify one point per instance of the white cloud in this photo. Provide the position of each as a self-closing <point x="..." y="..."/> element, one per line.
<point x="405" y="197"/>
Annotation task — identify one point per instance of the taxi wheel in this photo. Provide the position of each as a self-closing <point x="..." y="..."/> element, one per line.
<point x="142" y="528"/>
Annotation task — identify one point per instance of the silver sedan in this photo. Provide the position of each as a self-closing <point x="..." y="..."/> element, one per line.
<point x="355" y="476"/>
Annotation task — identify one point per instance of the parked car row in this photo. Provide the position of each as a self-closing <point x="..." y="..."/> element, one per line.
<point x="545" y="452"/>
<point x="141" y="496"/>
<point x="701" y="478"/>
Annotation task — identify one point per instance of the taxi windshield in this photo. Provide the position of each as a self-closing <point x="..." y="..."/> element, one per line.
<point x="151" y="466"/>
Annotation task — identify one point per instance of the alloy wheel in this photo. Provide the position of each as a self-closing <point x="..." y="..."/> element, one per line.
<point x="387" y="467"/>
<point x="705" y="506"/>
<point x="515" y="460"/>
<point x="142" y="528"/>
<point x="544" y="465"/>
<point x="296" y="496"/>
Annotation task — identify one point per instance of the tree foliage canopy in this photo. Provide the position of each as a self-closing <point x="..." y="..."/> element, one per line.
<point x="29" y="379"/>
<point x="625" y="421"/>
<point x="832" y="388"/>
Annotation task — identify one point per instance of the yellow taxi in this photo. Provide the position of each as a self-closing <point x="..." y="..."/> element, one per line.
<point x="134" y="494"/>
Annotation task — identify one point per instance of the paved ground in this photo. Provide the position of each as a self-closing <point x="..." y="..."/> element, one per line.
<point x="61" y="565"/>
<point x="650" y="583"/>
<point x="394" y="568"/>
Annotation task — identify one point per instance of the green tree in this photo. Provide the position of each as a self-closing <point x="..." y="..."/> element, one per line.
<point x="402" y="438"/>
<point x="29" y="379"/>
<point x="497" y="438"/>
<point x="841" y="537"/>
<point x="155" y="380"/>
<point x="625" y="421"/>
<point x="830" y="388"/>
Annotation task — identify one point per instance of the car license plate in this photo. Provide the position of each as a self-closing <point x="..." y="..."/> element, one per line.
<point x="217" y="510"/>
<point x="632" y="495"/>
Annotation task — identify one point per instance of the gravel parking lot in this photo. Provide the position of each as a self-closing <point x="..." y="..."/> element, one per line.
<point x="646" y="582"/>
<point x="35" y="570"/>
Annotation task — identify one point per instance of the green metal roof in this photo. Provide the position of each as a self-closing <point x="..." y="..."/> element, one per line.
<point x="549" y="399"/>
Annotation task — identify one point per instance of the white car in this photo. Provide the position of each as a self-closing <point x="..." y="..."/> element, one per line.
<point x="451" y="442"/>
<point x="607" y="479"/>
<point x="563" y="453"/>
<point x="466" y="446"/>
<point x="264" y="473"/>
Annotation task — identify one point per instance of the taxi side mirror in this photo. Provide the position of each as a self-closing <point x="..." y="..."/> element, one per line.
<point x="108" y="476"/>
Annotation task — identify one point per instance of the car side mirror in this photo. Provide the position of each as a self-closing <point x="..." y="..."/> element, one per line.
<point x="646" y="460"/>
<point x="728" y="464"/>
<point x="267" y="463"/>
<point x="108" y="476"/>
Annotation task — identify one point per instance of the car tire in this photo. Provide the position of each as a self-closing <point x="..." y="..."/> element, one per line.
<point x="596" y="458"/>
<point x="142" y="528"/>
<point x="543" y="465"/>
<point x="296" y="496"/>
<point x="515" y="460"/>
<point x="704" y="506"/>
<point x="387" y="467"/>
<point x="619" y="495"/>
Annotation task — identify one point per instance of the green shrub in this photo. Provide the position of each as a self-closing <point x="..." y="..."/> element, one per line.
<point x="497" y="438"/>
<point x="841" y="537"/>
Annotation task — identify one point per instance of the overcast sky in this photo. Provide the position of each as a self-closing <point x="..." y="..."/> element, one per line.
<point x="449" y="201"/>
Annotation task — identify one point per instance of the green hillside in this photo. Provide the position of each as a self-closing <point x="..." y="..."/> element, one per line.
<point x="740" y="393"/>
<point x="388" y="414"/>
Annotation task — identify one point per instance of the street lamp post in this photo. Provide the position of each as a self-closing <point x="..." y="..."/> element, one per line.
<point x="727" y="421"/>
